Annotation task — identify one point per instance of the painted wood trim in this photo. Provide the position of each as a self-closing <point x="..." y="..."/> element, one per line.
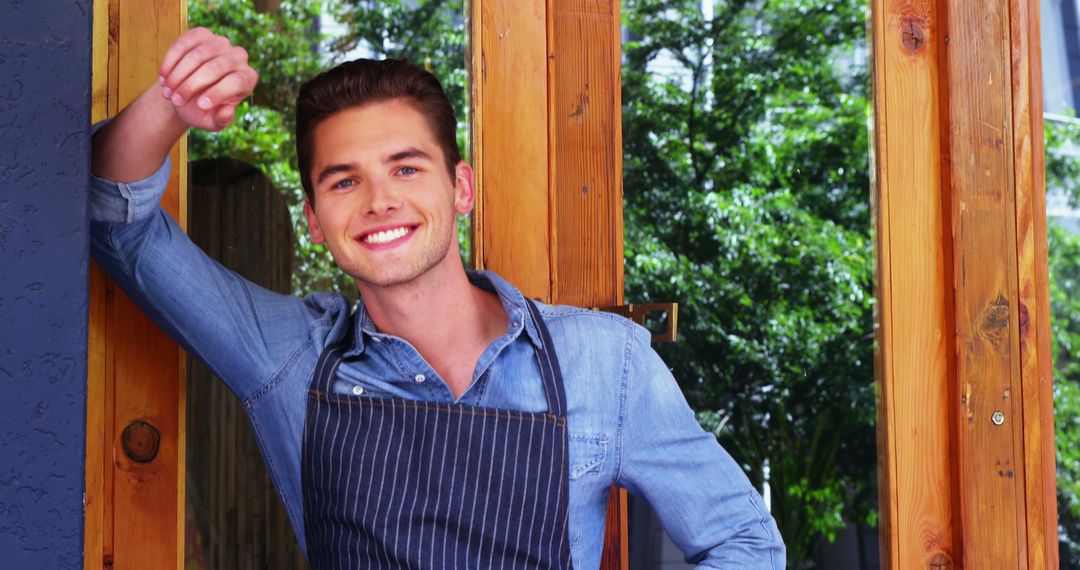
<point x="134" y="517"/>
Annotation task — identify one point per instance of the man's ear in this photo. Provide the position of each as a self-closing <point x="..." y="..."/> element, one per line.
<point x="464" y="191"/>
<point x="313" y="222"/>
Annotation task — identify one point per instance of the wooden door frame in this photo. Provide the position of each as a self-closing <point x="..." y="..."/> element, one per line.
<point x="136" y="375"/>
<point x="966" y="439"/>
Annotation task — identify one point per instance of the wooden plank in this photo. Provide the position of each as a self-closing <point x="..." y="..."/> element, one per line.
<point x="916" y="495"/>
<point x="1034" y="312"/>
<point x="134" y="514"/>
<point x="94" y="525"/>
<point x="989" y="452"/>
<point x="509" y="103"/>
<point x="588" y="153"/>
<point x="988" y="266"/>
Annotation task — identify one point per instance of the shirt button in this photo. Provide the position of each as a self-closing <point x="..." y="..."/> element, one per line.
<point x="419" y="378"/>
<point x="357" y="390"/>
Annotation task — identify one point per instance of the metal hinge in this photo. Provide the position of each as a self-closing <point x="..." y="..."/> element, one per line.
<point x="639" y="313"/>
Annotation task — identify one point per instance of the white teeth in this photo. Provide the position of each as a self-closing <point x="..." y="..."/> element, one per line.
<point x="387" y="236"/>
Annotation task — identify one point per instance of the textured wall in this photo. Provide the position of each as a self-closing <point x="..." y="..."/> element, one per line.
<point x="44" y="117"/>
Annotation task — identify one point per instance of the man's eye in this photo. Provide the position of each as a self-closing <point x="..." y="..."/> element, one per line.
<point x="345" y="183"/>
<point x="407" y="170"/>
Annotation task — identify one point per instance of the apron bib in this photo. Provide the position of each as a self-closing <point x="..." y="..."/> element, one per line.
<point x="397" y="483"/>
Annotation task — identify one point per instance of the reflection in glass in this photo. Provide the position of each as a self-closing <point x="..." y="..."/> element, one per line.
<point x="747" y="202"/>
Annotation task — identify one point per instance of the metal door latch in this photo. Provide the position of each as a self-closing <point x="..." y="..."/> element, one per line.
<point x="638" y="314"/>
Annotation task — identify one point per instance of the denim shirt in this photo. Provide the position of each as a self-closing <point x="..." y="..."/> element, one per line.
<point x="629" y="424"/>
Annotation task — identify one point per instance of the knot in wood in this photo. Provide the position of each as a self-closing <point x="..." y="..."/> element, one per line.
<point x="140" y="441"/>
<point x="940" y="562"/>
<point x="912" y="35"/>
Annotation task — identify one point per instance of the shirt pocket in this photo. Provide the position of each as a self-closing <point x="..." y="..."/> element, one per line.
<point x="588" y="450"/>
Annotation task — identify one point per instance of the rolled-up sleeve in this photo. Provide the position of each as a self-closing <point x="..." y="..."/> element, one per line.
<point x="126" y="202"/>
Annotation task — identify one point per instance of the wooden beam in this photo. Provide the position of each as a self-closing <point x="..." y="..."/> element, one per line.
<point x="511" y="142"/>
<point x="134" y="515"/>
<point x="965" y="434"/>
<point x="547" y="147"/>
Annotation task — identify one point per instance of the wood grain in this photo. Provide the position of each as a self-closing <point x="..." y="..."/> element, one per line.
<point x="510" y="94"/>
<point x="587" y="117"/>
<point x="1034" y="310"/>
<point x="969" y="293"/>
<point x="134" y="514"/>
<point x="989" y="456"/>
<point x="916" y="492"/>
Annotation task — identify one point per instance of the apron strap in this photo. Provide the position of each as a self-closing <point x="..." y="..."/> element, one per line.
<point x="549" y="365"/>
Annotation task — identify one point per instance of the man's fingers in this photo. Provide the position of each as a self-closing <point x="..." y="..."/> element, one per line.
<point x="224" y="115"/>
<point x="180" y="47"/>
<point x="230" y="90"/>
<point x="199" y="55"/>
<point x="212" y="73"/>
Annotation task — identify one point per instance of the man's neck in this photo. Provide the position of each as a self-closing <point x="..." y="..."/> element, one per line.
<point x="447" y="319"/>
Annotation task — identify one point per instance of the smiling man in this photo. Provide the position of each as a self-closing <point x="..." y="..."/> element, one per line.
<point x="446" y="420"/>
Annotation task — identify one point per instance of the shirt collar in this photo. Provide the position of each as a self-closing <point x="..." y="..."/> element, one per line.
<point x="512" y="301"/>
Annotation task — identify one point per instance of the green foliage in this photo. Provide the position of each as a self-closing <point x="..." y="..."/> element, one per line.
<point x="283" y="48"/>
<point x="747" y="201"/>
<point x="1063" y="175"/>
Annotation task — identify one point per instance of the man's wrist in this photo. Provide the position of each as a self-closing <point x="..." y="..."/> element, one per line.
<point x="134" y="144"/>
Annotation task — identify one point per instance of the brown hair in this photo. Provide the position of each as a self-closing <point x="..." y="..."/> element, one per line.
<point x="361" y="82"/>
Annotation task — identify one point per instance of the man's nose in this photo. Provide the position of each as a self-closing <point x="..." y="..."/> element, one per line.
<point x="381" y="198"/>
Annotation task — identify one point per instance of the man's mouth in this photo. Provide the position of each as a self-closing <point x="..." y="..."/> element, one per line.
<point x="386" y="236"/>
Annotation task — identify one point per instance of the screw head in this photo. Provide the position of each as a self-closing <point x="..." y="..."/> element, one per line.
<point x="998" y="418"/>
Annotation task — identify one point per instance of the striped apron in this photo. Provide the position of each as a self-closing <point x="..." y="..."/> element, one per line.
<point x="397" y="483"/>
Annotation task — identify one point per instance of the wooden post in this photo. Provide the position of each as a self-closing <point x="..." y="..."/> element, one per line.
<point x="547" y="149"/>
<point x="134" y="511"/>
<point x="966" y="448"/>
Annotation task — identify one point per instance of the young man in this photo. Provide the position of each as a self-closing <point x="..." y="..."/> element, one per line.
<point x="447" y="421"/>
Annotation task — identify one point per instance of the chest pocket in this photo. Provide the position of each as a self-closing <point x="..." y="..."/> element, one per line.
<point x="587" y="453"/>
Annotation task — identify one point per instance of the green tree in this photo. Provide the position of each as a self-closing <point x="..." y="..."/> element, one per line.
<point x="1063" y="176"/>
<point x="747" y="201"/>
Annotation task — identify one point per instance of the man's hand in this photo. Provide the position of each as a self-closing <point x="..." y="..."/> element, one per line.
<point x="202" y="79"/>
<point x="205" y="77"/>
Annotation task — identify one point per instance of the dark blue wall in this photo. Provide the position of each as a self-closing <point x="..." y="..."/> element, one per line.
<point x="45" y="48"/>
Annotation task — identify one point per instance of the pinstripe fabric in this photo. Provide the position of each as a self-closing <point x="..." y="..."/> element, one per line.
<point x="396" y="483"/>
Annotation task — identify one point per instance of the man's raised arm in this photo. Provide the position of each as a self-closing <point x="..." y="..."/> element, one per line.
<point x="202" y="79"/>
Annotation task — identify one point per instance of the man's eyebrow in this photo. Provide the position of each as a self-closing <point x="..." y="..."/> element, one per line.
<point x="407" y="154"/>
<point x="334" y="169"/>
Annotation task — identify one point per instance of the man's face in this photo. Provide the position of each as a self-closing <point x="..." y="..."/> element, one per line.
<point x="385" y="204"/>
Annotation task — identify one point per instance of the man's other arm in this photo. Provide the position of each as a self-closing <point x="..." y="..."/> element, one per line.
<point x="702" y="497"/>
